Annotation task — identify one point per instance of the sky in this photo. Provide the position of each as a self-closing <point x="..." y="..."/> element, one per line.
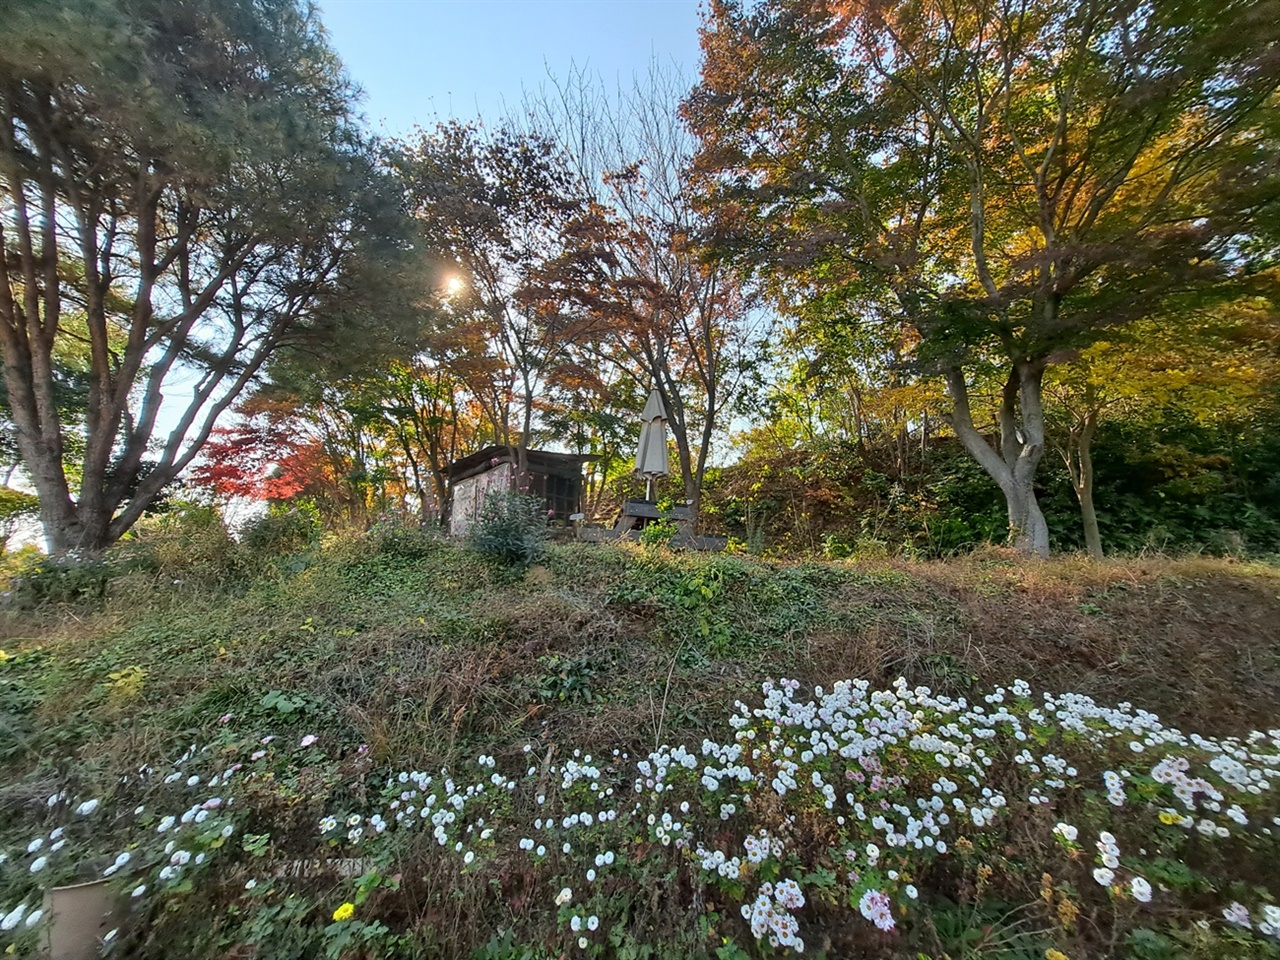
<point x="419" y="61"/>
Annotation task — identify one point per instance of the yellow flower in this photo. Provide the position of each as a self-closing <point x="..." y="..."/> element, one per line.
<point x="1052" y="954"/>
<point x="1168" y="817"/>
<point x="1046" y="888"/>
<point x="346" y="911"/>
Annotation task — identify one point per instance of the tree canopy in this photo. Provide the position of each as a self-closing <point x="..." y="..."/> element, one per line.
<point x="187" y="181"/>
<point x="1005" y="180"/>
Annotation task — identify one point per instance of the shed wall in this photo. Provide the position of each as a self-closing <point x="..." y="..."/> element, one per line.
<point x="469" y="496"/>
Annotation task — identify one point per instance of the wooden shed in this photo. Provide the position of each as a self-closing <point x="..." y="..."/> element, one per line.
<point x="555" y="477"/>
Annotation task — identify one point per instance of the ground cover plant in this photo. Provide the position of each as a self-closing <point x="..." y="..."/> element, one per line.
<point x="388" y="745"/>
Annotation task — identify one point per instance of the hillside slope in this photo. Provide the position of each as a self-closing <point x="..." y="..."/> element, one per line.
<point x="429" y="656"/>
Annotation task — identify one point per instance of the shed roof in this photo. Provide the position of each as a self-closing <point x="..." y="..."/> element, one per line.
<point x="540" y="461"/>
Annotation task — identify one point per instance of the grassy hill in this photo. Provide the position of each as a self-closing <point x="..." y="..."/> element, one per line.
<point x="403" y="653"/>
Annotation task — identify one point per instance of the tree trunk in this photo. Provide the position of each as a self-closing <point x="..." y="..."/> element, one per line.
<point x="1079" y="459"/>
<point x="1092" y="536"/>
<point x="1013" y="466"/>
<point x="1028" y="530"/>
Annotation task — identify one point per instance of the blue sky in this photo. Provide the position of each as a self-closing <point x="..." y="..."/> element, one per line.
<point x="423" y="60"/>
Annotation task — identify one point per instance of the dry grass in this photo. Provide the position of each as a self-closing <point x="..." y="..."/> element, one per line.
<point x="423" y="661"/>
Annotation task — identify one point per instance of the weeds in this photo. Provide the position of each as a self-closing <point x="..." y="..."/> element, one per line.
<point x="431" y="657"/>
<point x="511" y="528"/>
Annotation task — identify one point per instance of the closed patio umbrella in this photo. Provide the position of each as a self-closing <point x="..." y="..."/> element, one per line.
<point x="651" y="458"/>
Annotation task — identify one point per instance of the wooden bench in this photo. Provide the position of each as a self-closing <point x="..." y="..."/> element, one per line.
<point x="637" y="514"/>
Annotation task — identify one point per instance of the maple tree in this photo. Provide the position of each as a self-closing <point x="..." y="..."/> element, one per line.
<point x="493" y="209"/>
<point x="1009" y="179"/>
<point x="631" y="280"/>
<point x="261" y="457"/>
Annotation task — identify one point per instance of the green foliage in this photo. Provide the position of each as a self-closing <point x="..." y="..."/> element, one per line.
<point x="566" y="679"/>
<point x="833" y="500"/>
<point x="505" y="947"/>
<point x="1197" y="943"/>
<point x="404" y="538"/>
<point x="988" y="930"/>
<point x="67" y="579"/>
<point x="189" y="542"/>
<point x="20" y="695"/>
<point x="286" y="528"/>
<point x="658" y="533"/>
<point x="246" y="117"/>
<point x="15" y="506"/>
<point x="884" y="174"/>
<point x="511" y="528"/>
<point x="722" y="605"/>
<point x="1162" y="482"/>
<point x="1166" y="483"/>
<point x="287" y="706"/>
<point x="413" y="663"/>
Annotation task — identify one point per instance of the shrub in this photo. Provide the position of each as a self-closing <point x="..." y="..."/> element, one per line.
<point x="16" y="508"/>
<point x="405" y="538"/>
<point x="188" y="541"/>
<point x="659" y="533"/>
<point x="511" y="528"/>
<point x="284" y="529"/>
<point x="69" y="578"/>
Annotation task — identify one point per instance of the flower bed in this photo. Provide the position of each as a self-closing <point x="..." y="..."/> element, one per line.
<point x="846" y="821"/>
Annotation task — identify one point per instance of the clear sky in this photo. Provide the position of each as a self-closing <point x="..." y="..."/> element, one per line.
<point x="423" y="60"/>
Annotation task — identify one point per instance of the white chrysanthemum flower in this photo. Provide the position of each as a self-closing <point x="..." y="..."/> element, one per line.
<point x="13" y="917"/>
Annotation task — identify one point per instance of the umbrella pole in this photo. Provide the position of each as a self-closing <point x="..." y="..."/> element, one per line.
<point x="648" y="488"/>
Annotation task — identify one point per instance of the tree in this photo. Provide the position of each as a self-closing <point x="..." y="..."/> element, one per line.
<point x="262" y="456"/>
<point x="494" y="209"/>
<point x="1009" y="179"/>
<point x="632" y="276"/>
<point x="1212" y="363"/>
<point x="187" y="178"/>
